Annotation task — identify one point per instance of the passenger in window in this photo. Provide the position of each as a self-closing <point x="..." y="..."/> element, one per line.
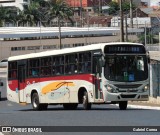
<point x="81" y="68"/>
<point x="34" y="72"/>
<point x="14" y="74"/>
<point x="86" y="67"/>
<point x="42" y="72"/>
<point x="53" y="70"/>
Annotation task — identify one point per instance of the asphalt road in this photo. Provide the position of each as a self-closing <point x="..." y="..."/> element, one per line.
<point x="13" y="114"/>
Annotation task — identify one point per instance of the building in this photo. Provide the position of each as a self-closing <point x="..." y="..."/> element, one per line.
<point x="14" y="3"/>
<point x="87" y="3"/>
<point x="136" y="2"/>
<point x="24" y="40"/>
<point x="155" y="4"/>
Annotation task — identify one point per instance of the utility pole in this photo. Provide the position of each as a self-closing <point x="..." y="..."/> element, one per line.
<point x="145" y="35"/>
<point x="81" y="13"/>
<point x="131" y="14"/>
<point x="100" y="7"/>
<point x="126" y="33"/>
<point x="121" y="24"/>
<point x="59" y="27"/>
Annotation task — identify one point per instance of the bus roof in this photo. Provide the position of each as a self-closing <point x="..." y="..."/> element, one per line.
<point x="68" y="50"/>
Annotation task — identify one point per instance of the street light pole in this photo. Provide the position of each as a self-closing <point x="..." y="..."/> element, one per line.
<point x="100" y="7"/>
<point x="59" y="27"/>
<point x="81" y="13"/>
<point x="121" y="24"/>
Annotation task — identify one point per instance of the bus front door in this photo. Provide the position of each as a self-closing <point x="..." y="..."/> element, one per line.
<point x="21" y="83"/>
<point x="97" y="70"/>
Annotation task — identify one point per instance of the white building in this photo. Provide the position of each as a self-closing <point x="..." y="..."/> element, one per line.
<point x="152" y="3"/>
<point x="138" y="22"/>
<point x="14" y="3"/>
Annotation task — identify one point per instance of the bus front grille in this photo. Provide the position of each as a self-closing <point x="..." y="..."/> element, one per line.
<point x="128" y="96"/>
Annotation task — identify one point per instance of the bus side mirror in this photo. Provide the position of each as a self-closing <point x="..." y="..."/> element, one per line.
<point x="149" y="60"/>
<point x="102" y="62"/>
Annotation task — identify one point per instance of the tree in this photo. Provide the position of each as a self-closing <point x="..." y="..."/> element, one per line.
<point x="4" y="15"/>
<point x="115" y="7"/>
<point x="60" y="10"/>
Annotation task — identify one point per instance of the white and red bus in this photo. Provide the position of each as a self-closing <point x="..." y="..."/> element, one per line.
<point x="95" y="74"/>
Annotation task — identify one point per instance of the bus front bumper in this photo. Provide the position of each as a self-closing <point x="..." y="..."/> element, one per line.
<point x="127" y="97"/>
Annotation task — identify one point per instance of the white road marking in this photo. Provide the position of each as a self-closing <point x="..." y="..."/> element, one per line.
<point x="9" y="104"/>
<point x="144" y="107"/>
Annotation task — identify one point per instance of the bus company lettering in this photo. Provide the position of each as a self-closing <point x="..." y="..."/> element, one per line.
<point x="29" y="83"/>
<point x="22" y="130"/>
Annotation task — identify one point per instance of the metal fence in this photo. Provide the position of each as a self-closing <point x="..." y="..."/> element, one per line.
<point x="153" y="47"/>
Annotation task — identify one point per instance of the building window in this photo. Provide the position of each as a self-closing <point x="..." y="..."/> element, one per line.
<point x="17" y="48"/>
<point x="33" y="48"/>
<point x="50" y="47"/>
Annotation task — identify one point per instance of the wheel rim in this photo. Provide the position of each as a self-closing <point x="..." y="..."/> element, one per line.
<point x="35" y="102"/>
<point x="84" y="99"/>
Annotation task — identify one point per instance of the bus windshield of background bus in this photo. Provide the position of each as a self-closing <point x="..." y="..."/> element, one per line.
<point x="126" y="68"/>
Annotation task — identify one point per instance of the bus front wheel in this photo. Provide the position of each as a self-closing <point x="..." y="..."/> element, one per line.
<point x="86" y="104"/>
<point x="36" y="104"/>
<point x="123" y="105"/>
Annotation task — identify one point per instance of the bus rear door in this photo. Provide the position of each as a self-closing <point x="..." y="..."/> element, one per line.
<point x="97" y="70"/>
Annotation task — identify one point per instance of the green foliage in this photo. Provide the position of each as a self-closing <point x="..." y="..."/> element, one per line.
<point x="59" y="9"/>
<point x="149" y="37"/>
<point x="38" y="11"/>
<point x="4" y="15"/>
<point x="115" y="7"/>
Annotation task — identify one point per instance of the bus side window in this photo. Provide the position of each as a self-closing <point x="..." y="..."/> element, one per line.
<point x="84" y="65"/>
<point x="71" y="64"/>
<point x="45" y="68"/>
<point x="1" y="83"/>
<point x="34" y="67"/>
<point x="58" y="65"/>
<point x="12" y="70"/>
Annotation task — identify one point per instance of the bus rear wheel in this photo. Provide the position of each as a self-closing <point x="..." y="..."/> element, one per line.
<point x="70" y="106"/>
<point x="123" y="105"/>
<point x="36" y="104"/>
<point x="86" y="104"/>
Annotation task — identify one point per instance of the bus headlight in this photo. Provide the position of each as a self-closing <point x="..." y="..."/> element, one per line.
<point x="146" y="88"/>
<point x="110" y="89"/>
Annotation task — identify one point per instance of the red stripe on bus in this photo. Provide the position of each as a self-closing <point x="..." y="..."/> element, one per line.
<point x="13" y="84"/>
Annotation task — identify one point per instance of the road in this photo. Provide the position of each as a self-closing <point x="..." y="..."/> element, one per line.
<point x="13" y="114"/>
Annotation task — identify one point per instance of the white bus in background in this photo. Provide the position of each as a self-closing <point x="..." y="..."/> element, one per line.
<point x="3" y="76"/>
<point x="111" y="73"/>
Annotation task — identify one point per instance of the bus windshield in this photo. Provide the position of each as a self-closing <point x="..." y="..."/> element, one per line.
<point x="126" y="68"/>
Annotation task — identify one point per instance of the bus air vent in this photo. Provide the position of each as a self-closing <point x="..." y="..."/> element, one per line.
<point x="122" y="86"/>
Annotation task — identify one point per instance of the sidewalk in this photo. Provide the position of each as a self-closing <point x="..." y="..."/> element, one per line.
<point x="155" y="102"/>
